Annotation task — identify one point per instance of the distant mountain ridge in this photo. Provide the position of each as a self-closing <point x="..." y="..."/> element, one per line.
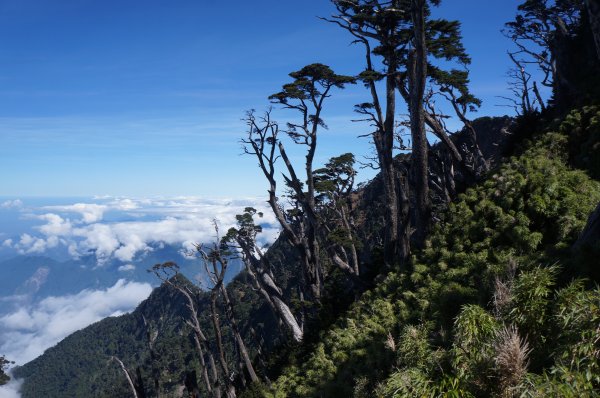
<point x="75" y="359"/>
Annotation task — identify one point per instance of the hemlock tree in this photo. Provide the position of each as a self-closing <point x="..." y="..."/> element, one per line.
<point x="417" y="79"/>
<point x="306" y="94"/>
<point x="383" y="28"/>
<point x="407" y="40"/>
<point x="444" y="42"/>
<point x="334" y="184"/>
<point x="541" y="31"/>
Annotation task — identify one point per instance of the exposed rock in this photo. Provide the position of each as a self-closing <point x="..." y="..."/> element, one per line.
<point x="591" y="233"/>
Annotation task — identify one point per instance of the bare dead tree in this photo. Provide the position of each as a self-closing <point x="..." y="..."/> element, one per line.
<point x="306" y="95"/>
<point x="135" y="384"/>
<point x="260" y="270"/>
<point x="167" y="273"/>
<point x="227" y="375"/>
<point x="540" y="31"/>
<point x="462" y="102"/>
<point x="216" y="260"/>
<point x="522" y="88"/>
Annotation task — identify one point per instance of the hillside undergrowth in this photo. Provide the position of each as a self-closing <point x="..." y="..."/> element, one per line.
<point x="492" y="306"/>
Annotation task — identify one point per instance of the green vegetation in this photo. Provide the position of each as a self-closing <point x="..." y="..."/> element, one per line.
<point x="487" y="283"/>
<point x="4" y="378"/>
<point x="497" y="302"/>
<point x="495" y="305"/>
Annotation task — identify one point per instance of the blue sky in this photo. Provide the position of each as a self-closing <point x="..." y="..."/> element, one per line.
<point x="145" y="98"/>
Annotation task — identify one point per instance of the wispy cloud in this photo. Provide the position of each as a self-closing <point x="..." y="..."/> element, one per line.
<point x="11" y="390"/>
<point x="27" y="332"/>
<point x="8" y="204"/>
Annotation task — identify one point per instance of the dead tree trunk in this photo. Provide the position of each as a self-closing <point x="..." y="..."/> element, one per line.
<point x="416" y="87"/>
<point x="136" y="390"/>
<point x="238" y="336"/>
<point x="593" y="7"/>
<point x="166" y="272"/>
<point x="261" y="272"/>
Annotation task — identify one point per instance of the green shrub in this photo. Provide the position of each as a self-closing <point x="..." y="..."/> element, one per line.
<point x="528" y="213"/>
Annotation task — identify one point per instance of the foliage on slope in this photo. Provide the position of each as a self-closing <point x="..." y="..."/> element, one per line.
<point x="81" y="364"/>
<point x="411" y="336"/>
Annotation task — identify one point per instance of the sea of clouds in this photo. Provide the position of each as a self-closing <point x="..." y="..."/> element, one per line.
<point x="110" y="229"/>
<point x="134" y="224"/>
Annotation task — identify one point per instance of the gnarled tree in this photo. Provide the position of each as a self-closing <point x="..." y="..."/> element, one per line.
<point x="216" y="261"/>
<point x="306" y="94"/>
<point x="406" y="39"/>
<point x="541" y="32"/>
<point x="382" y="27"/>
<point x="260" y="270"/>
<point x="167" y="273"/>
<point x="334" y="184"/>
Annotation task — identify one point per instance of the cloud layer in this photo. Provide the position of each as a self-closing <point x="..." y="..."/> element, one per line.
<point x="11" y="390"/>
<point x="123" y="228"/>
<point x="28" y="331"/>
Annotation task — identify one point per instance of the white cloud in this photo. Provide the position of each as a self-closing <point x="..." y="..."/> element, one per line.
<point x="17" y="203"/>
<point x="90" y="212"/>
<point x="123" y="204"/>
<point x="29" y="331"/>
<point x="126" y="267"/>
<point x="55" y="225"/>
<point x="11" y="389"/>
<point x="175" y="221"/>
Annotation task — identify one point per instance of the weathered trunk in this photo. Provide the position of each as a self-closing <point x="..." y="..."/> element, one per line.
<point x="203" y="367"/>
<point x="593" y="7"/>
<point x="258" y="269"/>
<point x="306" y="244"/>
<point x="384" y="142"/>
<point x="419" y="163"/>
<point x="404" y="212"/>
<point x="439" y="132"/>
<point x="238" y="337"/>
<point x="214" y="315"/>
<point x="214" y="375"/>
<point x="130" y="381"/>
<point x="352" y="247"/>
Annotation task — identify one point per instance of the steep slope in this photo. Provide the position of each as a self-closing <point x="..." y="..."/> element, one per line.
<point x="409" y="336"/>
<point x="81" y="365"/>
<point x="514" y="230"/>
